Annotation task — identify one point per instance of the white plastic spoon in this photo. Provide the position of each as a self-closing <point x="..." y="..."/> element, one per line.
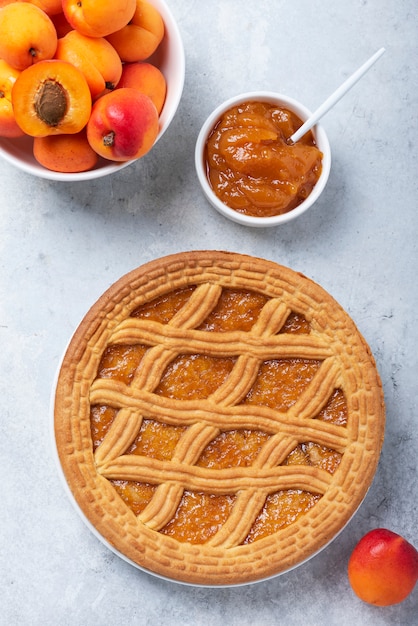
<point x="335" y="97"/>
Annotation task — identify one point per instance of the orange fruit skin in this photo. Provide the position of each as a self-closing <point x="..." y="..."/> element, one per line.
<point x="50" y="7"/>
<point x="65" y="153"/>
<point x="98" y="18"/>
<point x="141" y="36"/>
<point x="123" y="125"/>
<point x="61" y="24"/>
<point x="8" y="124"/>
<point x="383" y="568"/>
<point x="147" y="79"/>
<point x="94" y="57"/>
<point x="27" y="35"/>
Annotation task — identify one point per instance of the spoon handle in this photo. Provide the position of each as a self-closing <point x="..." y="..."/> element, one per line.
<point x="335" y="97"/>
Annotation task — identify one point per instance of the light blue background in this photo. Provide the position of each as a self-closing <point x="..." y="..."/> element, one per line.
<point x="62" y="245"/>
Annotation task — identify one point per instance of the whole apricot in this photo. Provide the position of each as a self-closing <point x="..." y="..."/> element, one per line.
<point x="383" y="568"/>
<point x="61" y="24"/>
<point x="27" y="35"/>
<point x="95" y="57"/>
<point x="51" y="97"/>
<point x="98" y="18"/>
<point x="50" y="7"/>
<point x="65" y="153"/>
<point x="140" y="38"/>
<point x="123" y="125"/>
<point x="148" y="79"/>
<point x="8" y="77"/>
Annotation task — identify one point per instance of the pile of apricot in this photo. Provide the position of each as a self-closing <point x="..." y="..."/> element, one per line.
<point x="77" y="77"/>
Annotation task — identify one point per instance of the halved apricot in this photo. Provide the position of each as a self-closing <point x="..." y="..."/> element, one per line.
<point x="50" y="98"/>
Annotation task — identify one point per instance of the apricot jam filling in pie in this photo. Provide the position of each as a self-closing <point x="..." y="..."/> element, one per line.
<point x="218" y="418"/>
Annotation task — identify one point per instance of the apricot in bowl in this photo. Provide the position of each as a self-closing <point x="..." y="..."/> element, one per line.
<point x="169" y="58"/>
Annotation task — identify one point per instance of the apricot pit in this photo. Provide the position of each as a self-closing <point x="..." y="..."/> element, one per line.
<point x="50" y="103"/>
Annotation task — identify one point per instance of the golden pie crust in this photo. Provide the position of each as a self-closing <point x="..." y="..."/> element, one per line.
<point x="302" y="480"/>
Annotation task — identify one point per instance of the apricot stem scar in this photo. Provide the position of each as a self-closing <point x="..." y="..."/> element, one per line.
<point x="50" y="102"/>
<point x="109" y="139"/>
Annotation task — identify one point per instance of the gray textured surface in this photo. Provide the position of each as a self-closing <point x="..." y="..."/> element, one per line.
<point x="61" y="245"/>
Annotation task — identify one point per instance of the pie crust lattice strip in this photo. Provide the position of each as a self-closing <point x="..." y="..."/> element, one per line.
<point x="271" y="476"/>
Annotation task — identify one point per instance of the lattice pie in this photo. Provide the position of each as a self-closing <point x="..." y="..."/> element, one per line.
<point x="218" y="418"/>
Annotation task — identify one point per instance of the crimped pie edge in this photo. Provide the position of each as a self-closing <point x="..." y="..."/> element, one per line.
<point x="96" y="497"/>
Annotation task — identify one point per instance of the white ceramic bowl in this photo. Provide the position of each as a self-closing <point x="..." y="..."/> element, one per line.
<point x="303" y="113"/>
<point x="169" y="58"/>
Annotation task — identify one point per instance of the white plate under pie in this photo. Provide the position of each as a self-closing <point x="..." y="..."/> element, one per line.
<point x="246" y="543"/>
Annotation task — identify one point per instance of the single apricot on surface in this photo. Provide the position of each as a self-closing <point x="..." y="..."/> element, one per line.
<point x="27" y="35"/>
<point x="123" y="125"/>
<point x="95" y="57"/>
<point x="383" y="568"/>
<point x="140" y="38"/>
<point x="98" y="18"/>
<point x="65" y="153"/>
<point x="8" y="125"/>
<point x="148" y="79"/>
<point x="50" y="98"/>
